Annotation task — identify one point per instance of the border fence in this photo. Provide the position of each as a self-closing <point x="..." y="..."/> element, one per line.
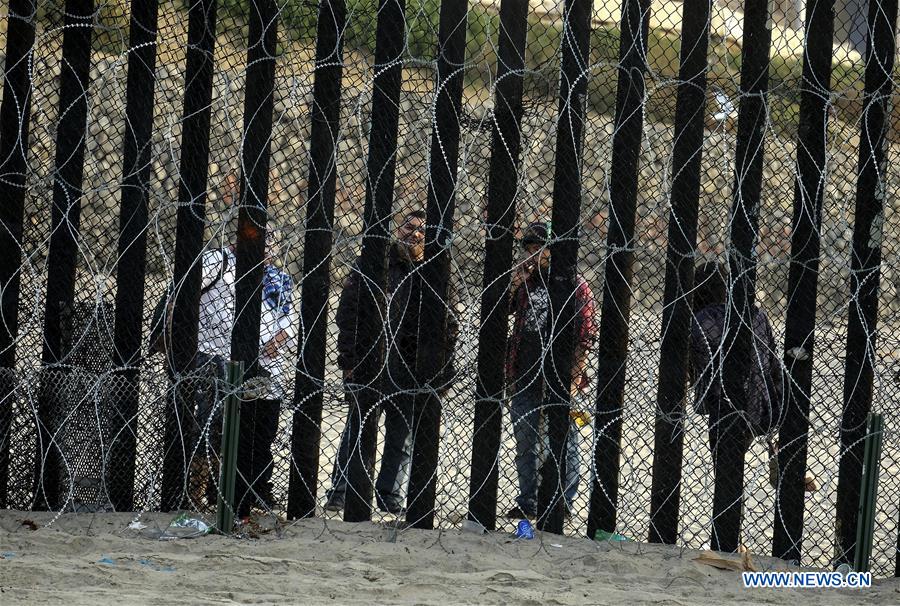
<point x="139" y="137"/>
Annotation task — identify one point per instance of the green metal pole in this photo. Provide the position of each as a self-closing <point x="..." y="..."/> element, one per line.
<point x="865" y="525"/>
<point x="234" y="376"/>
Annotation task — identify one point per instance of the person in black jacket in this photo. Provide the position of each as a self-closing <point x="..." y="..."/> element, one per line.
<point x="763" y="388"/>
<point x="398" y="382"/>
<point x="734" y="418"/>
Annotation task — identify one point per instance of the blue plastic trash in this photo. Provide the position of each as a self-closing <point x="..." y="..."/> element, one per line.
<point x="524" y="530"/>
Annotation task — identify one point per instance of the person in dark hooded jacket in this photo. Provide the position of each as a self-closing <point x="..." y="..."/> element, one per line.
<point x="733" y="418"/>
<point x="399" y="382"/>
<point x="762" y="384"/>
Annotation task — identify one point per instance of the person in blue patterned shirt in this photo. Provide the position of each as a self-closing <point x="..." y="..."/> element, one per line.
<point x="259" y="423"/>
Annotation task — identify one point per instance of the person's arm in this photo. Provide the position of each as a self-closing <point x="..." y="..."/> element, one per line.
<point x="520" y="275"/>
<point x="579" y="368"/>
<point x="277" y="292"/>
<point x="700" y="364"/>
<point x="210" y="267"/>
<point x="347" y="318"/>
<point x="275" y="187"/>
<point x="275" y="330"/>
<point x="586" y="332"/>
<point x="699" y="353"/>
<point x="272" y="346"/>
<point x="775" y="370"/>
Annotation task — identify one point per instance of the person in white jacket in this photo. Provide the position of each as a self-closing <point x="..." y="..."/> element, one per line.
<point x="259" y="417"/>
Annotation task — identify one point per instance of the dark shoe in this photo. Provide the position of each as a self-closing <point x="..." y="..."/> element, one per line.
<point x="394" y="510"/>
<point x="390" y="506"/>
<point x="265" y="500"/>
<point x="335" y="503"/>
<point x="520" y="514"/>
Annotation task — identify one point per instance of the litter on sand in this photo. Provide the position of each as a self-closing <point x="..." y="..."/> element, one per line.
<point x="602" y="535"/>
<point x="154" y="566"/>
<point x="739" y="562"/>
<point x="184" y="527"/>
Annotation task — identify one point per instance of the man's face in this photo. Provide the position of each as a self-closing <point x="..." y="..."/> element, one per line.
<point x="538" y="255"/>
<point x="411" y="234"/>
<point x="273" y="236"/>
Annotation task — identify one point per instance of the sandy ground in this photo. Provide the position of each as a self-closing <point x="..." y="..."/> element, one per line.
<point x="97" y="559"/>
<point x="637" y="455"/>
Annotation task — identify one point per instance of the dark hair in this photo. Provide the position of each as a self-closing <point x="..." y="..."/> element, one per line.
<point x="709" y="285"/>
<point x="536" y="233"/>
<point x="415" y="214"/>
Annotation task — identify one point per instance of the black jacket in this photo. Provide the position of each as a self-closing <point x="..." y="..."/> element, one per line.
<point x="763" y="384"/>
<point x="401" y="328"/>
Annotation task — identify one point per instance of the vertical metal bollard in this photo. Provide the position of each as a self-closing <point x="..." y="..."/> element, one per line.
<point x="731" y="443"/>
<point x="868" y="492"/>
<point x="567" y="192"/>
<point x="616" y="306"/>
<point x="132" y="264"/>
<point x="255" y="154"/>
<point x="63" y="255"/>
<point x="234" y="377"/>
<point x="193" y="172"/>
<point x="865" y="265"/>
<point x="431" y="354"/>
<point x="506" y="143"/>
<point x="15" y="119"/>
<point x="800" y="322"/>
<point x="668" y="447"/>
<point x="306" y="429"/>
<point x="390" y="42"/>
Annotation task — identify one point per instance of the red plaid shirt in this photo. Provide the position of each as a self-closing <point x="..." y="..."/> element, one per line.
<point x="521" y="300"/>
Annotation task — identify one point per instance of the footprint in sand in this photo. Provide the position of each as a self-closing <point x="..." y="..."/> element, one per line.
<point x="502" y="578"/>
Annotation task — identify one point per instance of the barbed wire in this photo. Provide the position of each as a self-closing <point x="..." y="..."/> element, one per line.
<point x="73" y="463"/>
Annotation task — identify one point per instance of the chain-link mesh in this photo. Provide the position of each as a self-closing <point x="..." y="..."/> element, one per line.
<point x="66" y="419"/>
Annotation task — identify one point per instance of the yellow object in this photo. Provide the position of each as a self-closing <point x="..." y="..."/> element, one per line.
<point x="581" y="418"/>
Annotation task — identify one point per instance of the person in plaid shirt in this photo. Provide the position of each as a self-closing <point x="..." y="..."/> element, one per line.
<point x="528" y="344"/>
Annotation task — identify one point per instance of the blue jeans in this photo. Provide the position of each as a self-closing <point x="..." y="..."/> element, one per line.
<point x="390" y="487"/>
<point x="532" y="448"/>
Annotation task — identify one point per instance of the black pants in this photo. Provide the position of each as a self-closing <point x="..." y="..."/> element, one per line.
<point x="393" y="475"/>
<point x="259" y="427"/>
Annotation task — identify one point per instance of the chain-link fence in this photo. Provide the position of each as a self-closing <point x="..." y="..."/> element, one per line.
<point x="147" y="149"/>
